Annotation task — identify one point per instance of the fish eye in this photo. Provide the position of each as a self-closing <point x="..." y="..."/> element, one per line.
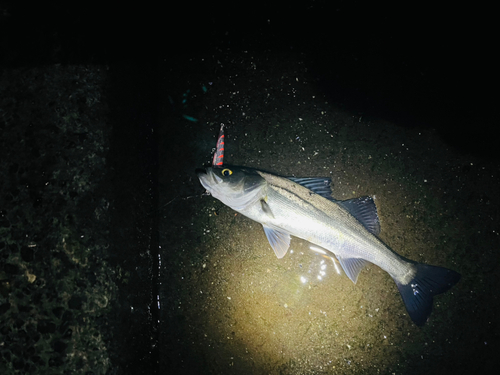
<point x="226" y="172"/>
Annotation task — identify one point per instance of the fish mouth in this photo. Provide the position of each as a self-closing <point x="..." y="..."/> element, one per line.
<point x="200" y="171"/>
<point x="208" y="178"/>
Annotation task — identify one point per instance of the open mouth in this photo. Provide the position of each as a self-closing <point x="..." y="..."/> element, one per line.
<point x="200" y="171"/>
<point x="207" y="178"/>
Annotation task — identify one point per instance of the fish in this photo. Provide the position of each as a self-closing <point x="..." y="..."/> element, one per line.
<point x="305" y="208"/>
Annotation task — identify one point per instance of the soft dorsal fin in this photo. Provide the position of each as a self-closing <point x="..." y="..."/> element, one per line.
<point x="365" y="211"/>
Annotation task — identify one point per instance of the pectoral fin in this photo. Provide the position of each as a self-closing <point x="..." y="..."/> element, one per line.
<point x="279" y="241"/>
<point x="266" y="208"/>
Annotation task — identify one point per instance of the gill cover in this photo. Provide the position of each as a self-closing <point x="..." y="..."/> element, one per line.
<point x="236" y="187"/>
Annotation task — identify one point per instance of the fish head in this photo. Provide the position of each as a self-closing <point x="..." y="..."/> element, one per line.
<point x="236" y="187"/>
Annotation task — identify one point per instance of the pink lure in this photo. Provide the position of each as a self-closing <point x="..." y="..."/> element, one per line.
<point x="219" y="152"/>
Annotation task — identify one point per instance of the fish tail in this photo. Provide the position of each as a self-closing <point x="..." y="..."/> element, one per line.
<point x="427" y="282"/>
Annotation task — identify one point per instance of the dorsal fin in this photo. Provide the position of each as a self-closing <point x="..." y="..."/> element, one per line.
<point x="319" y="185"/>
<point x="365" y="211"/>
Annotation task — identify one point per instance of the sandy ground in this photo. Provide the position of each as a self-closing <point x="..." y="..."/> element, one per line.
<point x="233" y="307"/>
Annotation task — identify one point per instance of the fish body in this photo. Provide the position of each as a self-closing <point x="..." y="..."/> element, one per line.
<point x="303" y="207"/>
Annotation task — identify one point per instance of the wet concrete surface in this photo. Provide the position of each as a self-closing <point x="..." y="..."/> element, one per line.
<point x="113" y="261"/>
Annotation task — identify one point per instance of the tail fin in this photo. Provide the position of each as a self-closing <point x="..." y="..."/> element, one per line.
<point x="427" y="282"/>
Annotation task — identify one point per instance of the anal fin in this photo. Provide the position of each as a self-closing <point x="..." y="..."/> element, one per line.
<point x="352" y="267"/>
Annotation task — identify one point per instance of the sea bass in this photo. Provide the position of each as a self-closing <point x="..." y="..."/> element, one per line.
<point x="303" y="207"/>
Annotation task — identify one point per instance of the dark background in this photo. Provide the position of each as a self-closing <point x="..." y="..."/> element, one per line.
<point x="430" y="66"/>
